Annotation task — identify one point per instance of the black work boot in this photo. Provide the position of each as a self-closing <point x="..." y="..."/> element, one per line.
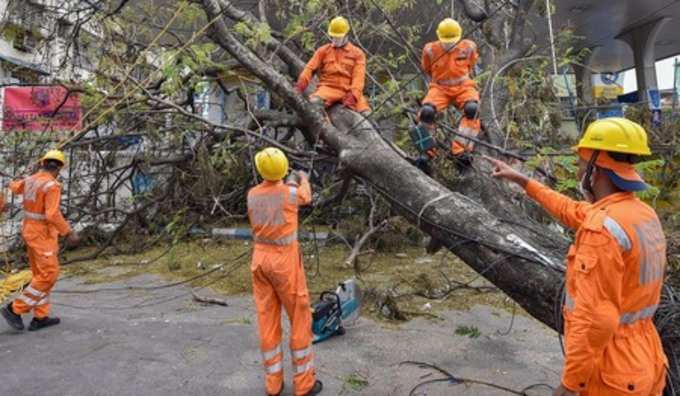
<point x="316" y="389"/>
<point x="37" y="324"/>
<point x="12" y="319"/>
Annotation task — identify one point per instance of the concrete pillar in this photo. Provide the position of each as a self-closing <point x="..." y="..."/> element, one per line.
<point x="584" y="79"/>
<point x="641" y="40"/>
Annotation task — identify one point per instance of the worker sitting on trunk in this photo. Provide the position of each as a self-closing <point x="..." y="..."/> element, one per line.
<point x="341" y="69"/>
<point x="448" y="63"/>
<point x="615" y="268"/>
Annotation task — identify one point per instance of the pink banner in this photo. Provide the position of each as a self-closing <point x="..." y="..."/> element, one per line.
<point x="41" y="108"/>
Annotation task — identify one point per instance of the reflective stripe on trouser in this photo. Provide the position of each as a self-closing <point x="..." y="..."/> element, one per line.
<point x="303" y="361"/>
<point x="272" y="359"/>
<point x="467" y="127"/>
<point x="35" y="297"/>
<point x="279" y="279"/>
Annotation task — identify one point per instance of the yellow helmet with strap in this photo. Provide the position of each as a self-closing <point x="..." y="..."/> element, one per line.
<point x="617" y="135"/>
<point x="449" y="31"/>
<point x="271" y="164"/>
<point x="339" y="27"/>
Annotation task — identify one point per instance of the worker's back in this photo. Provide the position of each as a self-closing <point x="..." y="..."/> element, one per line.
<point x="643" y="249"/>
<point x="41" y="201"/>
<point x="630" y="282"/>
<point x="34" y="189"/>
<point x="273" y="212"/>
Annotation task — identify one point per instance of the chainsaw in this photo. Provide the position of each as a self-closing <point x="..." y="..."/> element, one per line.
<point x="334" y="309"/>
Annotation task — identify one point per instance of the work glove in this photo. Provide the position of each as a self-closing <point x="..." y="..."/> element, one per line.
<point x="300" y="87"/>
<point x="349" y="100"/>
<point x="293" y="178"/>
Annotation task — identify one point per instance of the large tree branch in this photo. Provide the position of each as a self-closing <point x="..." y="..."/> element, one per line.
<point x="499" y="250"/>
<point x="289" y="57"/>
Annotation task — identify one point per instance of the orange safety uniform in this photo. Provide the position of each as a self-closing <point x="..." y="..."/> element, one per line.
<point x="43" y="223"/>
<point x="615" y="273"/>
<point x="279" y="278"/>
<point x="450" y="82"/>
<point x="341" y="70"/>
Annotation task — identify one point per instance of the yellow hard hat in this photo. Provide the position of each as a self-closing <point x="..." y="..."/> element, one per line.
<point x="271" y="164"/>
<point x="339" y="27"/>
<point x="618" y="135"/>
<point x="449" y="31"/>
<point x="56" y="155"/>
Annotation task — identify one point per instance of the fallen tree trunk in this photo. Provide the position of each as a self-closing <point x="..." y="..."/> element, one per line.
<point x="478" y="223"/>
<point x="501" y="251"/>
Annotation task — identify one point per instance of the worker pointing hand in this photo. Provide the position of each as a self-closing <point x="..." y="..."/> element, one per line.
<point x="615" y="267"/>
<point x="505" y="171"/>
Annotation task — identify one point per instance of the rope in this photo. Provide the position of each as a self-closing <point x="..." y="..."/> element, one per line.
<point x="431" y="202"/>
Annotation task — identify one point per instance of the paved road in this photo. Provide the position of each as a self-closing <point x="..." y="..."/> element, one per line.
<point x="160" y="342"/>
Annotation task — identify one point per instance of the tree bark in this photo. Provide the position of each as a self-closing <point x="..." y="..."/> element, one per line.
<point x="496" y="248"/>
<point x="477" y="222"/>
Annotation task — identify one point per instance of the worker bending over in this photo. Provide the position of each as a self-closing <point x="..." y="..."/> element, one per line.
<point x="341" y="68"/>
<point x="43" y="224"/>
<point x="278" y="273"/>
<point x="615" y="268"/>
<point x="448" y="63"/>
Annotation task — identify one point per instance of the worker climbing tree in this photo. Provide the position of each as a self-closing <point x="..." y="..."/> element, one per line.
<point x="341" y="69"/>
<point x="449" y="63"/>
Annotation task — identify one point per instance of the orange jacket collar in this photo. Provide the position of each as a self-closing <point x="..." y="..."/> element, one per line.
<point x="613" y="198"/>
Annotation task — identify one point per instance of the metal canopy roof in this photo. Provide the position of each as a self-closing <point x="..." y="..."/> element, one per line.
<point x="599" y="22"/>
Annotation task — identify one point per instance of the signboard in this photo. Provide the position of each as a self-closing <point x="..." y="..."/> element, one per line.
<point x="564" y="85"/>
<point x="654" y="99"/>
<point x="614" y="111"/>
<point x="41" y="108"/>
<point x="607" y="85"/>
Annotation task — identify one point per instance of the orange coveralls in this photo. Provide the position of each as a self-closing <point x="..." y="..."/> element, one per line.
<point x="279" y="278"/>
<point x="451" y="83"/>
<point x="615" y="272"/>
<point x="341" y="70"/>
<point x="43" y="223"/>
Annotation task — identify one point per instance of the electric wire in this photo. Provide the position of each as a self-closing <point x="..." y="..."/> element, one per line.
<point x="237" y="262"/>
<point x="454" y="380"/>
